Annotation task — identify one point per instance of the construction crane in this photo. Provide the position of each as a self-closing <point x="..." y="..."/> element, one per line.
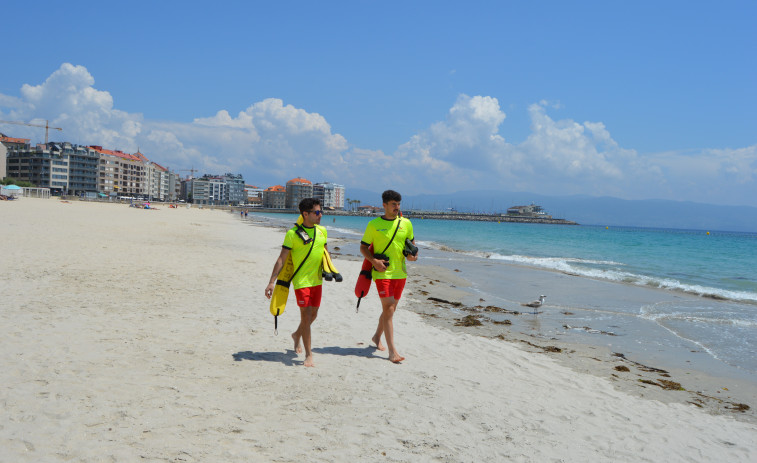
<point x="191" y="171"/>
<point x="46" y="126"/>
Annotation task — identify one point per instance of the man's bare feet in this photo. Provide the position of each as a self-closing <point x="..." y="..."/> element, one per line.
<point x="297" y="346"/>
<point x="377" y="340"/>
<point x="396" y="358"/>
<point x="309" y="361"/>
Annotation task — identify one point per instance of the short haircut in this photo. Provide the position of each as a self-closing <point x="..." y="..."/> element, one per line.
<point x="308" y="204"/>
<point x="390" y="195"/>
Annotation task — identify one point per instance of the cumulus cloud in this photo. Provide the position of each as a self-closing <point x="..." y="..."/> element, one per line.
<point x="561" y="157"/>
<point x="279" y="139"/>
<point x="69" y="100"/>
<point x="271" y="142"/>
<point x="467" y="149"/>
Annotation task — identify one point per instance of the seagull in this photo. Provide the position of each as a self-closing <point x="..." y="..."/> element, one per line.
<point x="536" y="304"/>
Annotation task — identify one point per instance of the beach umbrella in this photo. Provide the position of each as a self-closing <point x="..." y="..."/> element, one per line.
<point x="10" y="190"/>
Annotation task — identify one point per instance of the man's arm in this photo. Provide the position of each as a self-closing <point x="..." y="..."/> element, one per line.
<point x="410" y="257"/>
<point x="377" y="264"/>
<point x="276" y="269"/>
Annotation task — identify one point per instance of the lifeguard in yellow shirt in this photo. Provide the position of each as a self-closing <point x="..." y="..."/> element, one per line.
<point x="307" y="243"/>
<point x="388" y="235"/>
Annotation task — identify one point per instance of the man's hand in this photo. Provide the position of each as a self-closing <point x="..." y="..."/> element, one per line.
<point x="269" y="290"/>
<point x="379" y="265"/>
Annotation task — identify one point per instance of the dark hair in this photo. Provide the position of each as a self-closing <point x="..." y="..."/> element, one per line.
<point x="308" y="204"/>
<point x="390" y="195"/>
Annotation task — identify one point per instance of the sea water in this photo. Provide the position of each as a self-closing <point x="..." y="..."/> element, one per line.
<point x="705" y="281"/>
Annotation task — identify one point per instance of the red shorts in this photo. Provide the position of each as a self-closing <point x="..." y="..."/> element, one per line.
<point x="309" y="297"/>
<point x="390" y="288"/>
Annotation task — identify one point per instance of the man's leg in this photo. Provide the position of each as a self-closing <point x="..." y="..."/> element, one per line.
<point x="297" y="336"/>
<point x="307" y="317"/>
<point x="382" y="288"/>
<point x="379" y="331"/>
<point x="388" y="306"/>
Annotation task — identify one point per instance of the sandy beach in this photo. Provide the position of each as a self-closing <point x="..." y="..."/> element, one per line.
<point x="144" y="335"/>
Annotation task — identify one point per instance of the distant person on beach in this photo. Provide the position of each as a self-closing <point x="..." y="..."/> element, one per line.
<point x="388" y="234"/>
<point x="308" y="240"/>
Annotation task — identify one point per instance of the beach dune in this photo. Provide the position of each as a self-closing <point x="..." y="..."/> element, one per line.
<point x="144" y="335"/>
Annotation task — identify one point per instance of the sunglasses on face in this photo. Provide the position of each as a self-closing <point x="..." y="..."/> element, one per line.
<point x="316" y="212"/>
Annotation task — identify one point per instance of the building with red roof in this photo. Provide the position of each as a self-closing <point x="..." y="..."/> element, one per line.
<point x="6" y="144"/>
<point x="298" y="189"/>
<point x="274" y="197"/>
<point x="122" y="173"/>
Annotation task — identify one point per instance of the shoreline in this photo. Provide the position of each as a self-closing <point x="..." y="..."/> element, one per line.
<point x="131" y="334"/>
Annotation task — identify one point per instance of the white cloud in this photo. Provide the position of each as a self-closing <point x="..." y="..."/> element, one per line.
<point x="562" y="157"/>
<point x="68" y="99"/>
<point x="467" y="151"/>
<point x="271" y="142"/>
<point x="568" y="149"/>
<point x="459" y="151"/>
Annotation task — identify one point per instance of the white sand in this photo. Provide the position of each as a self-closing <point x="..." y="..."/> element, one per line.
<point x="136" y="335"/>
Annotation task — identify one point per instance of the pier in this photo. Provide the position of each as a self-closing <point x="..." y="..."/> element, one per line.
<point x="433" y="215"/>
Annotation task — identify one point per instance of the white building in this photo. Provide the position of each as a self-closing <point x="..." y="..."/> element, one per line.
<point x="330" y="194"/>
<point x="254" y="195"/>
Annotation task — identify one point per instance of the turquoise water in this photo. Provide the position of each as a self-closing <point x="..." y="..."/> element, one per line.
<point x="719" y="264"/>
<point x="714" y="274"/>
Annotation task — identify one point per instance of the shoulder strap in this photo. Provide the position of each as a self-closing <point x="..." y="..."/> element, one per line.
<point x="399" y="219"/>
<point x="306" y="256"/>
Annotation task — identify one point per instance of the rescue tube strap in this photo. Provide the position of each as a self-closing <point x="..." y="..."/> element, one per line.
<point x="357" y="307"/>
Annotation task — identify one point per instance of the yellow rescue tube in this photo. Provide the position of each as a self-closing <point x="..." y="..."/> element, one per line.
<point x="281" y="290"/>
<point x="329" y="271"/>
<point x="283" y="280"/>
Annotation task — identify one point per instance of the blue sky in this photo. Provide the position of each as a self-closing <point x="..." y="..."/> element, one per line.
<point x="635" y="100"/>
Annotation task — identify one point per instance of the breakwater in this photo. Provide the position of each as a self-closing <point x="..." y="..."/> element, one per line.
<point x="433" y="215"/>
<point x="484" y="217"/>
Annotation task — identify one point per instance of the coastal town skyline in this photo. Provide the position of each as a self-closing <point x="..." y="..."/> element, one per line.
<point x="641" y="101"/>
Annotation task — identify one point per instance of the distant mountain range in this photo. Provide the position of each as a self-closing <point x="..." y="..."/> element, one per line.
<point x="586" y="210"/>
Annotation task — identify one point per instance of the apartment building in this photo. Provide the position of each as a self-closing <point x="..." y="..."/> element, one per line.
<point x="45" y="166"/>
<point x="82" y="168"/>
<point x="254" y="195"/>
<point x="6" y="144"/>
<point x="161" y="183"/>
<point x="127" y="172"/>
<point x="330" y="194"/>
<point x="235" y="189"/>
<point x="298" y="189"/>
<point x="72" y="169"/>
<point x="219" y="190"/>
<point x="275" y="197"/>
<point x="174" y="186"/>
